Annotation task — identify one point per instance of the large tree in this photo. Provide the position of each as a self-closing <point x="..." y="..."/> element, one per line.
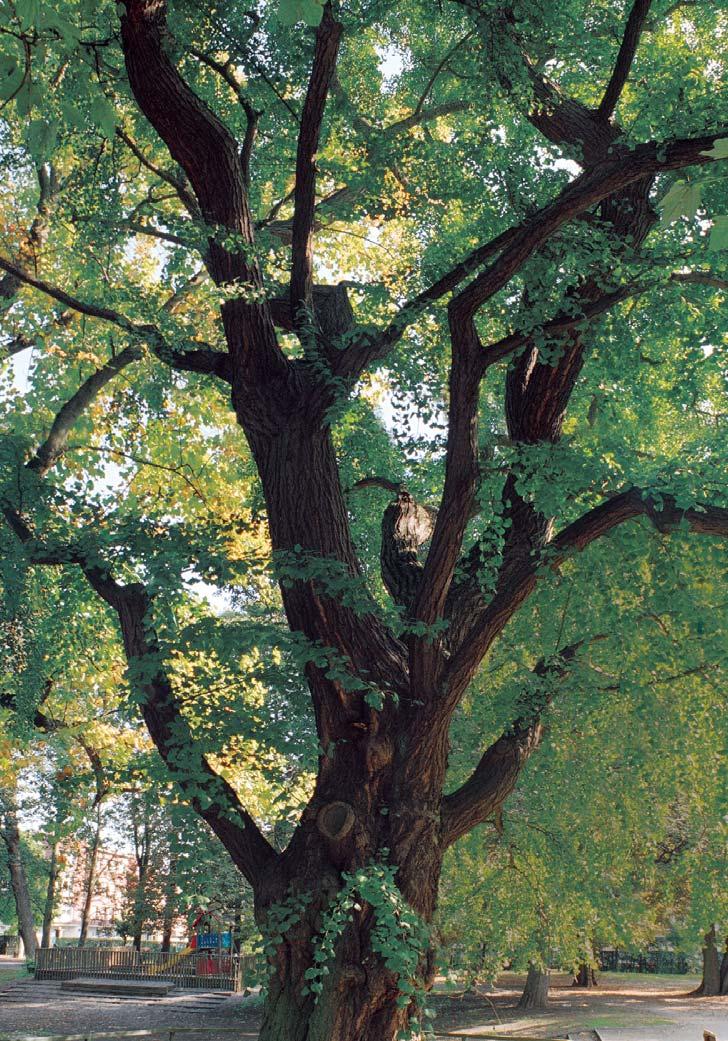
<point x="483" y="178"/>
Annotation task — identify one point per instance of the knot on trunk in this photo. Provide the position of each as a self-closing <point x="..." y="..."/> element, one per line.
<point x="335" y="820"/>
<point x="406" y="526"/>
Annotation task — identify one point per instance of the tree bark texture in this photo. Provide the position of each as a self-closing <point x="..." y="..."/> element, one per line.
<point x="585" y="976"/>
<point x="713" y="974"/>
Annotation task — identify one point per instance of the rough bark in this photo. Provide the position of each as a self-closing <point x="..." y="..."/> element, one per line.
<point x="10" y="834"/>
<point x="536" y="990"/>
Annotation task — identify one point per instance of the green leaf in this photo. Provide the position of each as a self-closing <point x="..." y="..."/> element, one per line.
<point x="719" y="149"/>
<point x="719" y="234"/>
<point x="309" y="11"/>
<point x="28" y="12"/>
<point x="103" y="115"/>
<point x="41" y="137"/>
<point x="682" y="200"/>
<point x="28" y="97"/>
<point x="312" y="12"/>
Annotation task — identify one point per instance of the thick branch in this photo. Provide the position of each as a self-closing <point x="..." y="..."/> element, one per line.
<point x="208" y="153"/>
<point x="328" y="36"/>
<point x="600" y="181"/>
<point x="495" y="776"/>
<point x="662" y="511"/>
<point x="461" y="471"/>
<point x="562" y="323"/>
<point x="628" y="49"/>
<point x="210" y="795"/>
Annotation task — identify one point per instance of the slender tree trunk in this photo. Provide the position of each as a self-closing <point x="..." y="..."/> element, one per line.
<point x="536" y="991"/>
<point x="170" y="898"/>
<point x="724" y="971"/>
<point x="90" y="880"/>
<point x="54" y="870"/>
<point x="10" y="833"/>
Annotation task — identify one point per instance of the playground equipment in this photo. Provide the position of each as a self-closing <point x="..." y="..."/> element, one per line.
<point x="211" y="947"/>
<point x="210" y="939"/>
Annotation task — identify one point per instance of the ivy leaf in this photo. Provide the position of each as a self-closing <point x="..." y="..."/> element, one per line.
<point x="719" y="234"/>
<point x="719" y="149"/>
<point x="682" y="200"/>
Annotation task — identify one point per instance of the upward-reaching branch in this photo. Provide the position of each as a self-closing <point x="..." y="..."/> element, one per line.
<point x="495" y="776"/>
<point x="328" y="36"/>
<point x="208" y="153"/>
<point x="52" y="448"/>
<point x="628" y="49"/>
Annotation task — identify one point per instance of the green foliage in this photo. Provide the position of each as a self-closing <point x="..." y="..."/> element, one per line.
<point x="292" y="11"/>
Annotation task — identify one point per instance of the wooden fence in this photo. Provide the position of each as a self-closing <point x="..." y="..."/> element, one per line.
<point x="205" y="970"/>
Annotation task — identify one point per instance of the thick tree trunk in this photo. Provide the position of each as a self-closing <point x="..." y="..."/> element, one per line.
<point x="536" y="991"/>
<point x="10" y="833"/>
<point x="359" y="996"/>
<point x="54" y="870"/>
<point x="585" y="976"/>
<point x="351" y="835"/>
<point x="90" y="882"/>
<point x="712" y="968"/>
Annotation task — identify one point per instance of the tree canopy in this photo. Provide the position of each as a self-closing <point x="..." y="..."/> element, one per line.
<point x="363" y="384"/>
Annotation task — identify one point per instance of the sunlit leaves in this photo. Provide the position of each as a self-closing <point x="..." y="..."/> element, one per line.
<point x="682" y="200"/>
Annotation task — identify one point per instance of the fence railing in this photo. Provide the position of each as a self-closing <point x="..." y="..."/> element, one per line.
<point x="206" y="970"/>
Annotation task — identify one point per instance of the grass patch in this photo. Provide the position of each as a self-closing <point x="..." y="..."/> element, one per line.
<point x="618" y="1021"/>
<point x="11" y="974"/>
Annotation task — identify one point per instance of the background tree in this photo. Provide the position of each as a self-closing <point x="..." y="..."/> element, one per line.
<point x="501" y="194"/>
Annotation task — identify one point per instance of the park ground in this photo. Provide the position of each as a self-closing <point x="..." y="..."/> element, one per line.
<point x="624" y="1008"/>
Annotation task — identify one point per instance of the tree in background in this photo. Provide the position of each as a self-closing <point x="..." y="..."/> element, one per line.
<point x="486" y="179"/>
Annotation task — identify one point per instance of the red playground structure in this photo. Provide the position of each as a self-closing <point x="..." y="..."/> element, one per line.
<point x="210" y="939"/>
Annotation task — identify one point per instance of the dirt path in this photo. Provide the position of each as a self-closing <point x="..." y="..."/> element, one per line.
<point x="43" y="1008"/>
<point x="623" y="1008"/>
